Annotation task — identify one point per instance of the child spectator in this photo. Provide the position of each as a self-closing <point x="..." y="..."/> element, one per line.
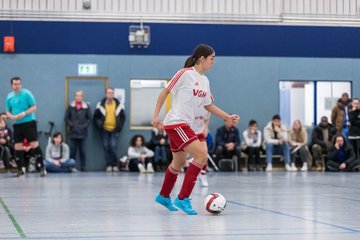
<point x="57" y="156"/>
<point x="140" y="156"/>
<point x="159" y="141"/>
<point x="5" y="140"/>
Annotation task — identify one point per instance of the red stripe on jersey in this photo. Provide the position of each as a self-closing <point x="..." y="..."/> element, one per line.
<point x="176" y="78"/>
<point x="212" y="98"/>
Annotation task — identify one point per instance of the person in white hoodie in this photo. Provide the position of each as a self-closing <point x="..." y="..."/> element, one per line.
<point x="57" y="156"/>
<point x="252" y="145"/>
<point x="276" y="142"/>
<point x="140" y="156"/>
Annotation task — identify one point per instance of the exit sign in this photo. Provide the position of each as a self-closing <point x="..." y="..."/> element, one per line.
<point x="85" y="69"/>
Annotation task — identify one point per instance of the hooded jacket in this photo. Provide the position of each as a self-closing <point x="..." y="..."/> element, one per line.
<point x="317" y="135"/>
<point x="100" y="113"/>
<point x="349" y="153"/>
<point x="78" y="120"/>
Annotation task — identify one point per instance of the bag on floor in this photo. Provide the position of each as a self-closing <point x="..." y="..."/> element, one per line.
<point x="226" y="165"/>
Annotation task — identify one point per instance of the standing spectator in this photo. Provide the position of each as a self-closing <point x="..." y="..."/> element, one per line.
<point x="298" y="139"/>
<point x="109" y="117"/>
<point x="321" y="141"/>
<point x="227" y="141"/>
<point x="57" y="156"/>
<point x="354" y="130"/>
<point x="78" y="119"/>
<point x="252" y="145"/>
<point x="5" y="140"/>
<point x="340" y="115"/>
<point x="160" y="142"/>
<point x="341" y="156"/>
<point x="276" y="142"/>
<point x="21" y="107"/>
<point x="140" y="156"/>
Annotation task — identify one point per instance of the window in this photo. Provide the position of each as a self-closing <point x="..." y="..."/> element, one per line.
<point x="308" y="101"/>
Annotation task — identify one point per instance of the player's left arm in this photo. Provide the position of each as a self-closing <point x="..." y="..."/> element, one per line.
<point x="220" y="113"/>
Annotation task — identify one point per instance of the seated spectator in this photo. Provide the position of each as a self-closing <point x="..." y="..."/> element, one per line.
<point x="57" y="156"/>
<point x="298" y="139"/>
<point x="341" y="156"/>
<point x="354" y="131"/>
<point x="5" y="140"/>
<point x="140" y="156"/>
<point x="321" y="141"/>
<point x="227" y="141"/>
<point x="340" y="115"/>
<point x="252" y="145"/>
<point x="10" y="144"/>
<point x="160" y="142"/>
<point x="276" y="142"/>
<point x="210" y="142"/>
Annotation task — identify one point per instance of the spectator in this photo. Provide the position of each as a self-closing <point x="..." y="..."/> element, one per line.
<point x="227" y="141"/>
<point x="276" y="142"/>
<point x="252" y="145"/>
<point x="139" y="155"/>
<point x="57" y="156"/>
<point x="5" y="140"/>
<point x="160" y="142"/>
<point x="109" y="117"/>
<point x="340" y="115"/>
<point x="78" y="119"/>
<point x="10" y="144"/>
<point x="354" y="130"/>
<point x="321" y="141"/>
<point x="298" y="139"/>
<point x="341" y="156"/>
<point x="21" y="107"/>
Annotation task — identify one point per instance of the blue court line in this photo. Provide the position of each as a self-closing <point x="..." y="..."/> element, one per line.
<point x="296" y="217"/>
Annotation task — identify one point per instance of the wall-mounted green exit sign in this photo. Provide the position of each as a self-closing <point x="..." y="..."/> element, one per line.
<point x="87" y="69"/>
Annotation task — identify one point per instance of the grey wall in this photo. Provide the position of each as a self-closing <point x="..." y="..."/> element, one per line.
<point x="244" y="85"/>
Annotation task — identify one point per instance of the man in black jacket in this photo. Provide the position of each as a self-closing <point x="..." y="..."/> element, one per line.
<point x="78" y="119"/>
<point x="227" y="141"/>
<point x="341" y="156"/>
<point x="109" y="117"/>
<point x="354" y="131"/>
<point x="321" y="138"/>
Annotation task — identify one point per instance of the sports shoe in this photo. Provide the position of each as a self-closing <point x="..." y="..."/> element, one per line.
<point x="288" y="168"/>
<point x="166" y="202"/>
<point x="18" y="173"/>
<point x="141" y="168"/>
<point x="293" y="167"/>
<point x="115" y="169"/>
<point x="318" y="167"/>
<point x="149" y="168"/>
<point x="74" y="170"/>
<point x="108" y="169"/>
<point x="268" y="167"/>
<point x="185" y="205"/>
<point x="304" y="168"/>
<point x="203" y="180"/>
<point x="43" y="172"/>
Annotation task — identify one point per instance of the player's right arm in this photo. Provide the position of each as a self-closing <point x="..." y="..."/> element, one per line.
<point x="160" y="102"/>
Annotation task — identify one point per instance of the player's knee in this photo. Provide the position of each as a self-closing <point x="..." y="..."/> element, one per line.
<point x="201" y="157"/>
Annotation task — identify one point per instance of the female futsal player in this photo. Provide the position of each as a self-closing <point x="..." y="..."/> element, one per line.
<point x="190" y="91"/>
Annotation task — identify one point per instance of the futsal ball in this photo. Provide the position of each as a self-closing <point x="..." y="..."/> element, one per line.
<point x="215" y="203"/>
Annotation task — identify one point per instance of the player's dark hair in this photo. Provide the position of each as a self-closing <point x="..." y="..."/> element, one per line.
<point x="201" y="50"/>
<point x="14" y="79"/>
<point x="134" y="138"/>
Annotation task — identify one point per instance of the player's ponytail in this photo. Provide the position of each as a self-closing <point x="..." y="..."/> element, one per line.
<point x="201" y="50"/>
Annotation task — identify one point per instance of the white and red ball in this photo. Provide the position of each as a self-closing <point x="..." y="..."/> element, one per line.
<point x="215" y="203"/>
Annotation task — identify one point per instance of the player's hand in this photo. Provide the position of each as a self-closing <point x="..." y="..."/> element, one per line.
<point x="155" y="122"/>
<point x="19" y="116"/>
<point x="342" y="166"/>
<point x="206" y="132"/>
<point x="235" y="119"/>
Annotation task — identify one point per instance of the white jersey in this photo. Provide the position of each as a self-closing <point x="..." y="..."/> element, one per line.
<point x="190" y="92"/>
<point x="198" y="124"/>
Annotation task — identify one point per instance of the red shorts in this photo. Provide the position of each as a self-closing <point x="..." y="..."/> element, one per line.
<point x="180" y="136"/>
<point x="201" y="137"/>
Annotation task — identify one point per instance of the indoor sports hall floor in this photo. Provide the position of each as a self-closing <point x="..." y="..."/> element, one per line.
<point x="120" y="206"/>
